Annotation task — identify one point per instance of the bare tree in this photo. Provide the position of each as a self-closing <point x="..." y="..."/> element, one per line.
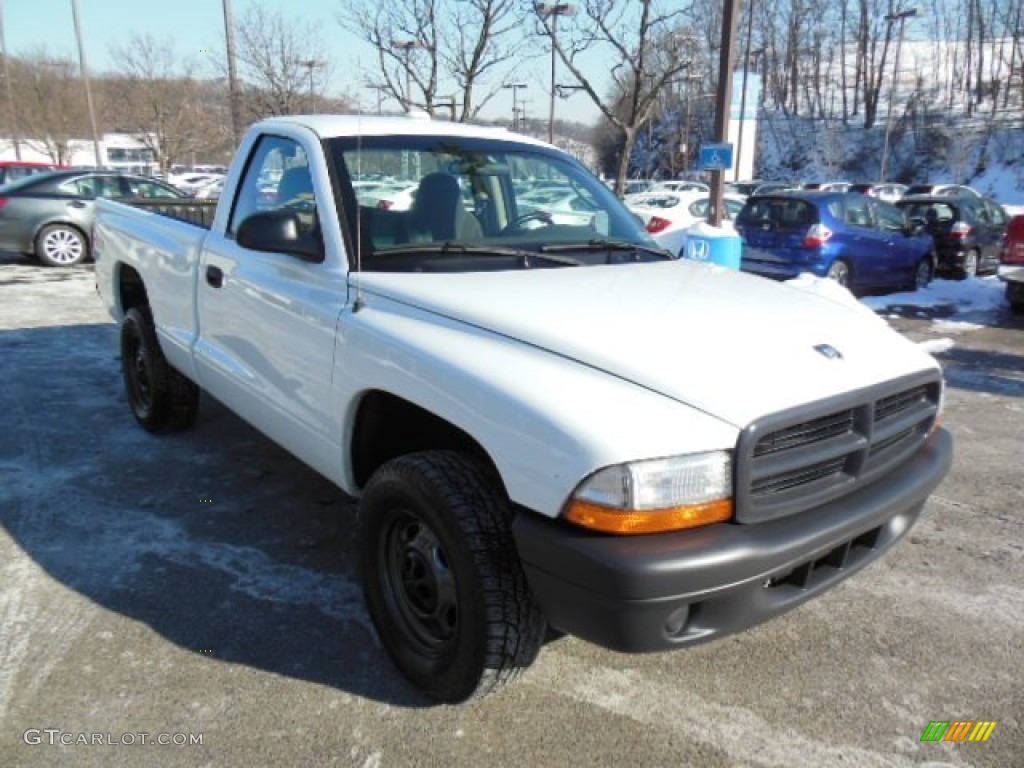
<point x="159" y="103"/>
<point x="51" y="108"/>
<point x="282" y="64"/>
<point x="647" y="44"/>
<point x="423" y="46"/>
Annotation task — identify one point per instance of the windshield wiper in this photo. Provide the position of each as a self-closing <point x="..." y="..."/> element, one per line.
<point x="603" y="244"/>
<point x="448" y="246"/>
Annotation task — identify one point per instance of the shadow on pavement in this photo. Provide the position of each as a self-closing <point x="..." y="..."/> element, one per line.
<point x="216" y="538"/>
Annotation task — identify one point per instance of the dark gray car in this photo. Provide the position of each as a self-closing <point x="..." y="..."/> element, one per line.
<point x="50" y="215"/>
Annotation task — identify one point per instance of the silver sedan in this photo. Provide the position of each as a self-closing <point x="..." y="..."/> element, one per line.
<point x="50" y="215"/>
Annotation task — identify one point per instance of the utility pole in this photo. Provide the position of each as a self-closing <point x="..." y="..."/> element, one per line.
<point x="515" y="112"/>
<point x="552" y="11"/>
<point x="901" y="17"/>
<point x="408" y="46"/>
<point x="723" y="97"/>
<point x="310" y="65"/>
<point x="85" y="79"/>
<point x="10" y="92"/>
<point x="229" y="36"/>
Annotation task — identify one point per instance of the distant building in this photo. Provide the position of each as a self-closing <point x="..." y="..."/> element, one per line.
<point x="118" y="151"/>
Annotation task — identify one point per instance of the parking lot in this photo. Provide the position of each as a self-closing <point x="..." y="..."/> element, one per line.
<point x="202" y="590"/>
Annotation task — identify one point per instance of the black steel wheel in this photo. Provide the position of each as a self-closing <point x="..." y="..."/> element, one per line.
<point x="161" y="399"/>
<point x="442" y="580"/>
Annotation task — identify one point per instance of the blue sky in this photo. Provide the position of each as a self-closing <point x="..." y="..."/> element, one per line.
<point x="196" y="27"/>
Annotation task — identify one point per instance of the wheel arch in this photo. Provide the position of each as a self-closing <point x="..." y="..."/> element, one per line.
<point x="387" y="426"/>
<point x="131" y="289"/>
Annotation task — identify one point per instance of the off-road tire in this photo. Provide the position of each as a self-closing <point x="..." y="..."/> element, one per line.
<point x="161" y="399"/>
<point x="441" y="576"/>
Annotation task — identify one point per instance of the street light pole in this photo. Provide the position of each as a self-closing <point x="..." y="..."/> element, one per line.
<point x="229" y="39"/>
<point x="408" y="46"/>
<point x="553" y="11"/>
<point x="85" y="79"/>
<point x="310" y="65"/>
<point x="901" y="17"/>
<point x="514" y="87"/>
<point x="380" y="90"/>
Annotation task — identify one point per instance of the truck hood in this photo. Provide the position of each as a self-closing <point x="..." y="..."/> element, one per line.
<point x="733" y="345"/>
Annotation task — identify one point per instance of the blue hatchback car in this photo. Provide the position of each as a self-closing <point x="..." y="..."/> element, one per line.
<point x="856" y="240"/>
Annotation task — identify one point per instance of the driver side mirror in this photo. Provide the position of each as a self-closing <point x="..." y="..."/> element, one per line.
<point x="279" y="231"/>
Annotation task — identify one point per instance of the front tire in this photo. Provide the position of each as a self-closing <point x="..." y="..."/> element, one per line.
<point x="923" y="274"/>
<point x="442" y="580"/>
<point x="162" y="399"/>
<point x="58" y="245"/>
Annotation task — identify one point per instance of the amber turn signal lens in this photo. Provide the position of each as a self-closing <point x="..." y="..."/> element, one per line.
<point x="608" y="520"/>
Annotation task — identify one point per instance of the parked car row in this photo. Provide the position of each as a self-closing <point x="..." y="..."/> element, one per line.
<point x="865" y="242"/>
<point x="49" y="215"/>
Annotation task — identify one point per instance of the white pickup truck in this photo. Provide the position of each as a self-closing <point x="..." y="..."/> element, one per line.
<point x="548" y="425"/>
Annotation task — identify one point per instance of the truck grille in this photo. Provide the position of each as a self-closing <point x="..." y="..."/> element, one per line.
<point x="795" y="460"/>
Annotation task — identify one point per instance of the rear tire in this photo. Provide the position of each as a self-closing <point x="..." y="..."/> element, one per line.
<point x="58" y="245"/>
<point x="840" y="272"/>
<point x="162" y="400"/>
<point x="441" y="576"/>
<point x="970" y="266"/>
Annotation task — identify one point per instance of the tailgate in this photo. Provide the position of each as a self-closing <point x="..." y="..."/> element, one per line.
<point x="774" y="229"/>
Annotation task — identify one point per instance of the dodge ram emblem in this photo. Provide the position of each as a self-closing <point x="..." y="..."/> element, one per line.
<point x="827" y="350"/>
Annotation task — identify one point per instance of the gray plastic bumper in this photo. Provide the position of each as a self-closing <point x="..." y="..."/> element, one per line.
<point x="662" y="591"/>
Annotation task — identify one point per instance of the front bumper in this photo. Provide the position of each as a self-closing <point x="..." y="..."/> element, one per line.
<point x="663" y="591"/>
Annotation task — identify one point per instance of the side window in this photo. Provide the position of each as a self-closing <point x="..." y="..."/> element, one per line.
<point x="857" y="213"/>
<point x="997" y="214"/>
<point x="890" y="218"/>
<point x="277" y="178"/>
<point x="83" y="187"/>
<point x="143" y="188"/>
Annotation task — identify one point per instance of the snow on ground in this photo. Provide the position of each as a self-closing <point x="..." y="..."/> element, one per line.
<point x="955" y="306"/>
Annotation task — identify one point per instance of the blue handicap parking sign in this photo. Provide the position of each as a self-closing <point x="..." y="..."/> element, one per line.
<point x="715" y="157"/>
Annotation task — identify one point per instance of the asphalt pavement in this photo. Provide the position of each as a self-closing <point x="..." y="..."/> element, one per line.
<point x="194" y="600"/>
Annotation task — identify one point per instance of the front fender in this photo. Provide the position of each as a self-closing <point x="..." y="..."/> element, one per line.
<point x="545" y="420"/>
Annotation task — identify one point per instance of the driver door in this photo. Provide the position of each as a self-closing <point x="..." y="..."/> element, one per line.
<point x="267" y="321"/>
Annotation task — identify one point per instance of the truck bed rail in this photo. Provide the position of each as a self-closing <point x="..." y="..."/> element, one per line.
<point x="198" y="212"/>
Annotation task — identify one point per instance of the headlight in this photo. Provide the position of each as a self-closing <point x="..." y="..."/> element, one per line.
<point x="656" y="495"/>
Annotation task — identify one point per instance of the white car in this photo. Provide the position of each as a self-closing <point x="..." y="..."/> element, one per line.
<point x="557" y="205"/>
<point x="190" y="182"/>
<point x="667" y="215"/>
<point x="390" y="197"/>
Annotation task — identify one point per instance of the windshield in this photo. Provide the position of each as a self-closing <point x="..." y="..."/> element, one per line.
<point x="449" y="203"/>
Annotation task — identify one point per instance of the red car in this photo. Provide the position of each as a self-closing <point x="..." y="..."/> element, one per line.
<point x="12" y="170"/>
<point x="1013" y="246"/>
<point x="1013" y="257"/>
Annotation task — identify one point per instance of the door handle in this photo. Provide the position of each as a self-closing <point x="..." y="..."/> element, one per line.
<point x="214" y="276"/>
<point x="77" y="204"/>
